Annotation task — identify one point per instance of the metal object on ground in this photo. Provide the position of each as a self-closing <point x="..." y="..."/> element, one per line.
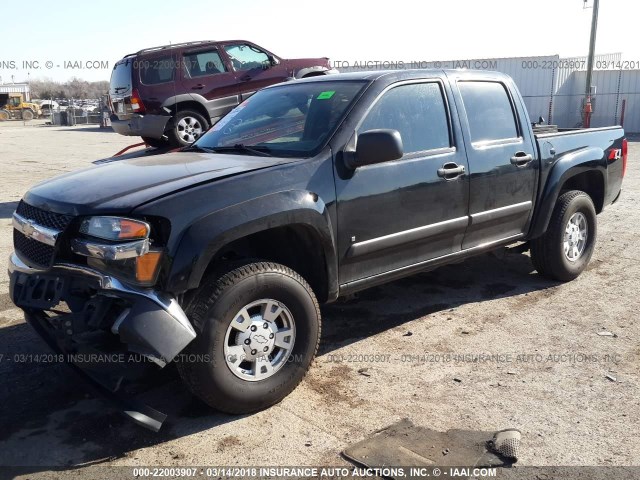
<point x="507" y="443"/>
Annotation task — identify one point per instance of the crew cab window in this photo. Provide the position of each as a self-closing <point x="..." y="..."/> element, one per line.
<point x="156" y="70"/>
<point x="246" y="57"/>
<point x="200" y="64"/>
<point x="489" y="111"/>
<point x="417" y="111"/>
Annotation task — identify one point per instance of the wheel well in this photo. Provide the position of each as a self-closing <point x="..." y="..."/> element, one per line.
<point x="295" y="246"/>
<point x="591" y="183"/>
<point x="195" y="106"/>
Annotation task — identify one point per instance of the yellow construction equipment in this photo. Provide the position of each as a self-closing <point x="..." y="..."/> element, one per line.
<point x="12" y="105"/>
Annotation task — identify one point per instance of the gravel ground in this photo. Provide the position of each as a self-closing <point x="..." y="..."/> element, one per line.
<point x="482" y="345"/>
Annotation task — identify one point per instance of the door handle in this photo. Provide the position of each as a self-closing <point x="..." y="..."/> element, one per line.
<point x="246" y="78"/>
<point x="520" y="159"/>
<point x="199" y="86"/>
<point x="450" y="170"/>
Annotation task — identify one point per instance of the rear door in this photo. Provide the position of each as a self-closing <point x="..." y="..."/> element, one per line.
<point x="403" y="212"/>
<point x="206" y="75"/>
<point x="503" y="167"/>
<point x="253" y="67"/>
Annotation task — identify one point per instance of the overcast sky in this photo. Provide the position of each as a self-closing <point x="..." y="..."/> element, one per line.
<point x="79" y="30"/>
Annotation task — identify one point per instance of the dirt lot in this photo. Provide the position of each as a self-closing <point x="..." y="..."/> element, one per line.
<point x="544" y="372"/>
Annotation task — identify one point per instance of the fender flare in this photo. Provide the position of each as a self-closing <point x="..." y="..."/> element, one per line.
<point x="203" y="239"/>
<point x="567" y="166"/>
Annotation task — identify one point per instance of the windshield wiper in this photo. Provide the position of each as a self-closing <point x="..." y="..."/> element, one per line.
<point x="239" y="147"/>
<point x="197" y="148"/>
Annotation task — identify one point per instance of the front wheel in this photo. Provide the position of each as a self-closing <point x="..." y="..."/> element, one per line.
<point x="565" y="249"/>
<point x="258" y="332"/>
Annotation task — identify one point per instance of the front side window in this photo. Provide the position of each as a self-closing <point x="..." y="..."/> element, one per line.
<point x="246" y="57"/>
<point x="292" y="120"/>
<point x="201" y="64"/>
<point x="417" y="111"/>
<point x="156" y="70"/>
<point x="489" y="111"/>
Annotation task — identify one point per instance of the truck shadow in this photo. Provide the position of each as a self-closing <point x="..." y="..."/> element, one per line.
<point x="43" y="404"/>
<point x="7" y="209"/>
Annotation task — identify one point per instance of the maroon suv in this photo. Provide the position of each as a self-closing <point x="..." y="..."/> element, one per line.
<point x="172" y="94"/>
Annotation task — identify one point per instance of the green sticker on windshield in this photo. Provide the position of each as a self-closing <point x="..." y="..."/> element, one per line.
<point x="326" y="95"/>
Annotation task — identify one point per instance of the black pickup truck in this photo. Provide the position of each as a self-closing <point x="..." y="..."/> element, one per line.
<point x="216" y="257"/>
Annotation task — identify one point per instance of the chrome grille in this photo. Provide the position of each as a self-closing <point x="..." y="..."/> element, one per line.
<point x="56" y="221"/>
<point x="32" y="252"/>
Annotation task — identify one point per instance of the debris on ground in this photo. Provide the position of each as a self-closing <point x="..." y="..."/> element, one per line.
<point x="408" y="334"/>
<point x="607" y="334"/>
<point x="610" y="377"/>
<point x="363" y="372"/>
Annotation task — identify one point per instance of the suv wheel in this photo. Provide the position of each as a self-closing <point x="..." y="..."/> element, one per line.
<point x="258" y="332"/>
<point x="186" y="127"/>
<point x="565" y="249"/>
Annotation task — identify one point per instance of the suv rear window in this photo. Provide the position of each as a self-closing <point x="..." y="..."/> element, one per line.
<point x="200" y="64"/>
<point x="121" y="77"/>
<point x="156" y="70"/>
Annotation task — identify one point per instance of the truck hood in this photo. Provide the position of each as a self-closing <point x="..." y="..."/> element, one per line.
<point x="120" y="186"/>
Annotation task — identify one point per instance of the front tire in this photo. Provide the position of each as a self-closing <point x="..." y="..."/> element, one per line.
<point x="565" y="249"/>
<point x="258" y="332"/>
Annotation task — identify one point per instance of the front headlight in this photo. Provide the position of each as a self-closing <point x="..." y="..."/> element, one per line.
<point x="125" y="250"/>
<point x="115" y="228"/>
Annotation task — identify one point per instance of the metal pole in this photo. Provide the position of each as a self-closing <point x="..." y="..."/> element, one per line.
<point x="592" y="51"/>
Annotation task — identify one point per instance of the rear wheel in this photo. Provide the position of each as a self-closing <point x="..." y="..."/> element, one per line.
<point x="4" y="115"/>
<point x="155" y="142"/>
<point x="565" y="249"/>
<point x="186" y="127"/>
<point x="258" y="332"/>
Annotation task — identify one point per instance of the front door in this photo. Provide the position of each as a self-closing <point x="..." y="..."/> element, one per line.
<point x="253" y="68"/>
<point x="399" y="213"/>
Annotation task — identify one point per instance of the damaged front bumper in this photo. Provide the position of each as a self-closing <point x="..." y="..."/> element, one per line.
<point x="101" y="314"/>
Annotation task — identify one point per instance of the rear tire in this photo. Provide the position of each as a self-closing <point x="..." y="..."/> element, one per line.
<point x="565" y="249"/>
<point x="258" y="331"/>
<point x="155" y="142"/>
<point x="186" y="127"/>
<point x="4" y="115"/>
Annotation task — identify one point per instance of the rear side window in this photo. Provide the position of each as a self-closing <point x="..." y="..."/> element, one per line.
<point x="203" y="63"/>
<point x="489" y="111"/>
<point x="417" y="111"/>
<point x="157" y="70"/>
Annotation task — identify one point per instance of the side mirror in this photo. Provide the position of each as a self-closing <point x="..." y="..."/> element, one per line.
<point x="273" y="61"/>
<point x="376" y="146"/>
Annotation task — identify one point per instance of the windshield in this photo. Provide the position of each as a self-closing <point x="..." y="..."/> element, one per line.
<point x="292" y="120"/>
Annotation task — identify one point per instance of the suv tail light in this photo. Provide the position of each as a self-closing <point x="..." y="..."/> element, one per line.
<point x="625" y="149"/>
<point x="136" y="102"/>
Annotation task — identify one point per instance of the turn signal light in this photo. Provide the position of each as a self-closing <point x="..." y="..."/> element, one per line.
<point x="147" y="267"/>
